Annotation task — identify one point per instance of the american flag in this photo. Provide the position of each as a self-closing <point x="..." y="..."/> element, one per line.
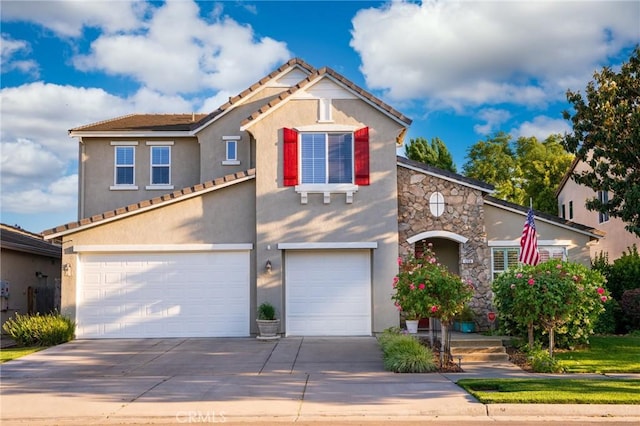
<point x="529" y="242"/>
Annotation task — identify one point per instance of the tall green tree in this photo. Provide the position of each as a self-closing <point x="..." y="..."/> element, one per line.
<point x="521" y="170"/>
<point x="434" y="153"/>
<point x="606" y="135"/>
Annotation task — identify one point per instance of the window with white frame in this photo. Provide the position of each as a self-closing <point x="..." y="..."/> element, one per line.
<point x="160" y="165"/>
<point x="231" y="150"/>
<point x="603" y="197"/>
<point x="326" y="158"/>
<point x="124" y="165"/>
<point x="505" y="258"/>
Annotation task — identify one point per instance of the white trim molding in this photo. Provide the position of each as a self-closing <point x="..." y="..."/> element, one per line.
<point x="159" y="187"/>
<point x="124" y="143"/>
<point x="133" y="248"/>
<point x="546" y="243"/>
<point x="159" y="143"/>
<point x="326" y="189"/>
<point x="123" y="188"/>
<point x="437" y="234"/>
<point x="328" y="246"/>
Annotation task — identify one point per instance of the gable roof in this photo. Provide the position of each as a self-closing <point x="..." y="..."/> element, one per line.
<point x="567" y="175"/>
<point x="18" y="239"/>
<point x="154" y="203"/>
<point x="544" y="217"/>
<point x="445" y="174"/>
<point x="313" y="78"/>
<point x="190" y="123"/>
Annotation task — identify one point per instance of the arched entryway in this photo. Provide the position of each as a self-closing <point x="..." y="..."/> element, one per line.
<point x="447" y="248"/>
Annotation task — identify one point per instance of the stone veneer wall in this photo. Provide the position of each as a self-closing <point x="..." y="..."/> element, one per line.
<point x="463" y="215"/>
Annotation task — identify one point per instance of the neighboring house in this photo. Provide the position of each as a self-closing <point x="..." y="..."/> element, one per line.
<point x="572" y="197"/>
<point x="289" y="193"/>
<point x="30" y="273"/>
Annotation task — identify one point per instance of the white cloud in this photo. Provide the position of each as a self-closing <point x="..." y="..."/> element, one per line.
<point x="177" y="51"/>
<point x="59" y="196"/>
<point x="459" y="53"/>
<point x="541" y="127"/>
<point x="68" y="18"/>
<point x="28" y="160"/>
<point x="493" y="118"/>
<point x="10" y="49"/>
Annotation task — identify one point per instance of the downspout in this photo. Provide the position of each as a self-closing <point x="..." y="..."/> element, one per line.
<point x="81" y="177"/>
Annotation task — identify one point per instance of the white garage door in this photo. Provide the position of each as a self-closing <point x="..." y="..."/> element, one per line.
<point x="328" y="292"/>
<point x="195" y="294"/>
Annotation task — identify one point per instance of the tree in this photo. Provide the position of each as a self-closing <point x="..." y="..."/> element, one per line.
<point x="606" y="135"/>
<point x="555" y="296"/>
<point x="434" y="153"/>
<point x="520" y="170"/>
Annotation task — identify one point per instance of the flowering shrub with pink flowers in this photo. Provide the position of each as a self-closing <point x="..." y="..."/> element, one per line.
<point x="557" y="298"/>
<point x="426" y="289"/>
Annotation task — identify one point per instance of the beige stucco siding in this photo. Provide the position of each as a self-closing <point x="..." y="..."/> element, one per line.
<point x="616" y="239"/>
<point x="372" y="217"/>
<point x="97" y="165"/>
<point x="213" y="147"/>
<point x="505" y="225"/>
<point x="224" y="216"/>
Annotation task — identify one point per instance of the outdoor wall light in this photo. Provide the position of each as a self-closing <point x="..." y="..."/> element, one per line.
<point x="67" y="269"/>
<point x="268" y="267"/>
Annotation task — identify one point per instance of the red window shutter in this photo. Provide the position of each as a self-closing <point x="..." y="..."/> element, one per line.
<point x="290" y="157"/>
<point x="361" y="156"/>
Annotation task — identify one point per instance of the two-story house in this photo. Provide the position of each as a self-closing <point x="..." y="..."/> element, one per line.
<point x="572" y="198"/>
<point x="290" y="193"/>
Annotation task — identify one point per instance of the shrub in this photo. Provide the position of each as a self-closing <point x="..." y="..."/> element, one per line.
<point x="624" y="272"/>
<point x="630" y="304"/>
<point x="404" y="354"/>
<point x="40" y="330"/>
<point x="606" y="322"/>
<point x="266" y="311"/>
<point x="542" y="362"/>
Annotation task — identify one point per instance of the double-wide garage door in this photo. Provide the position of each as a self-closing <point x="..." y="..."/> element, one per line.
<point x="328" y="292"/>
<point x="166" y="294"/>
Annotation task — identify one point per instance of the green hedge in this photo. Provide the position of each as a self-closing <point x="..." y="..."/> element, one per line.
<point x="40" y="330"/>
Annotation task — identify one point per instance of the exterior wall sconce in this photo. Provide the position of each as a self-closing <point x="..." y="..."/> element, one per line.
<point x="67" y="269"/>
<point x="268" y="267"/>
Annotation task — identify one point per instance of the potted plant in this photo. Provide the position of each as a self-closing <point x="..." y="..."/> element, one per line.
<point x="466" y="320"/>
<point x="268" y="324"/>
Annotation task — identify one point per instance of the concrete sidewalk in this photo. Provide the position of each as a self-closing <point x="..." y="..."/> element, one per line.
<point x="211" y="380"/>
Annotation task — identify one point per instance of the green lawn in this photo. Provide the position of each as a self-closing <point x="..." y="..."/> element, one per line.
<point x="607" y="354"/>
<point x="8" y="354"/>
<point x="553" y="391"/>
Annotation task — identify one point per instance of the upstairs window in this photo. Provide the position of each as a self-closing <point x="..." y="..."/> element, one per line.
<point x="125" y="165"/>
<point x="326" y="158"/>
<point x="231" y="150"/>
<point x="160" y="165"/>
<point x="603" y="197"/>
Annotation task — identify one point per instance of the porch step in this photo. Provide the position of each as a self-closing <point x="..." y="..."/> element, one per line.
<point x="478" y="348"/>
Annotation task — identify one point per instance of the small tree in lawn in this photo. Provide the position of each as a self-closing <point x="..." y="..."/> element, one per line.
<point x="555" y="295"/>
<point x="424" y="288"/>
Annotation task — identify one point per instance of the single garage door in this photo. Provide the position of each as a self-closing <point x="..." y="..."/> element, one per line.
<point x="167" y="294"/>
<point x="328" y="292"/>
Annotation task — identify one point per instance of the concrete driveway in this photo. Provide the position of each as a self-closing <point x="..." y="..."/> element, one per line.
<point x="211" y="380"/>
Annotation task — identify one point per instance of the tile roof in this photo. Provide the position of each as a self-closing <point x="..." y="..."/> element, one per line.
<point x="446" y="174"/>
<point x="18" y="239"/>
<point x="338" y="77"/>
<point x="144" y="122"/>
<point x="145" y="205"/>
<point x="184" y="122"/>
<point x="546" y="216"/>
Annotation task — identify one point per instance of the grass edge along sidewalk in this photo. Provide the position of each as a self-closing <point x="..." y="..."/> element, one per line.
<point x="554" y="390"/>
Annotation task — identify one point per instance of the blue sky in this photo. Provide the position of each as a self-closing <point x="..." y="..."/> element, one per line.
<point x="461" y="70"/>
